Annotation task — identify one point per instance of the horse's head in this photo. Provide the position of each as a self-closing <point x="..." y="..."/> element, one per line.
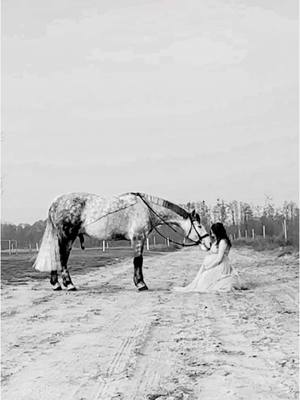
<point x="197" y="233"/>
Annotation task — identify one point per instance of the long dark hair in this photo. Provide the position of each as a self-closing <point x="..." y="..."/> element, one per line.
<point x="220" y="232"/>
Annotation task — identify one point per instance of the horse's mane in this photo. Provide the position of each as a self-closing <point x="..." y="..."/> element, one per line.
<point x="163" y="203"/>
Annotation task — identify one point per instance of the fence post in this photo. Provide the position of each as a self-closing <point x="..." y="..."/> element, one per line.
<point x="9" y="249"/>
<point x="16" y="242"/>
<point x="246" y="234"/>
<point x="30" y="249"/>
<point x="285" y="229"/>
<point x="147" y="244"/>
<point x="234" y="236"/>
<point x="168" y="242"/>
<point x="103" y="246"/>
<point x="239" y="233"/>
<point x="37" y="246"/>
<point x="264" y="231"/>
<point x="154" y="241"/>
<point x="253" y="234"/>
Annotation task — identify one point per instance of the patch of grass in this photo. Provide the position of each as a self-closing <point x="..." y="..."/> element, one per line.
<point x="268" y="243"/>
<point x="16" y="269"/>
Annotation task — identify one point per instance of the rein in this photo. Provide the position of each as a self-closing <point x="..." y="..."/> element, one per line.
<point x="173" y="241"/>
<point x="109" y="213"/>
<point x="195" y="243"/>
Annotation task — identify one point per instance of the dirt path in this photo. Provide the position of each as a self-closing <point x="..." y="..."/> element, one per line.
<point x="107" y="341"/>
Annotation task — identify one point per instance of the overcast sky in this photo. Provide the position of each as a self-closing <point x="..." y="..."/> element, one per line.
<point x="186" y="100"/>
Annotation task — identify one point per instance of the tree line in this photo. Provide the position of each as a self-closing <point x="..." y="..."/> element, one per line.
<point x="241" y="219"/>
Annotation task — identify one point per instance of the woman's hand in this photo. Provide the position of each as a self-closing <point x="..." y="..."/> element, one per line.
<point x="219" y="257"/>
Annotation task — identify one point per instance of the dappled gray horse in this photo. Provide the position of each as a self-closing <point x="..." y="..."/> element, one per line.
<point x="131" y="216"/>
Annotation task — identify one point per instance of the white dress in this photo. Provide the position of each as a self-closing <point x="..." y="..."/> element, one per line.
<point x="222" y="278"/>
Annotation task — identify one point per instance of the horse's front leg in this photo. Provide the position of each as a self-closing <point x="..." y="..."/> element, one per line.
<point x="138" y="278"/>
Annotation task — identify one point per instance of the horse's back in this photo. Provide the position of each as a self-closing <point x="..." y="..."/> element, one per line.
<point x="98" y="216"/>
<point x="98" y="207"/>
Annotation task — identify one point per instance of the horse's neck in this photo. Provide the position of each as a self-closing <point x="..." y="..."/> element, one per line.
<point x="166" y="215"/>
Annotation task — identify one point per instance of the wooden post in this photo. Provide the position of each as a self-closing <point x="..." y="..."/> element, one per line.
<point x="9" y="249"/>
<point x="253" y="234"/>
<point x="264" y="231"/>
<point x="285" y="229"/>
<point x="16" y="246"/>
<point x="168" y="242"/>
<point x="147" y="243"/>
<point x="107" y="244"/>
<point x="239" y="233"/>
<point x="234" y="236"/>
<point x="246" y="234"/>
<point x="30" y="249"/>
<point x="37" y="246"/>
<point x="103" y="246"/>
<point x="154" y="241"/>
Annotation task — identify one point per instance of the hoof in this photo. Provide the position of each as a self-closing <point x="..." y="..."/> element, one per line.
<point x="141" y="286"/>
<point x="56" y="286"/>
<point x="71" y="288"/>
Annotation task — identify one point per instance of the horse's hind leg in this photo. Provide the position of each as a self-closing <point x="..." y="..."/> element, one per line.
<point x="138" y="278"/>
<point x="65" y="247"/>
<point x="54" y="280"/>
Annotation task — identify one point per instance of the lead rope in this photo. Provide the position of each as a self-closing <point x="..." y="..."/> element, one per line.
<point x="173" y="241"/>
<point x="109" y="213"/>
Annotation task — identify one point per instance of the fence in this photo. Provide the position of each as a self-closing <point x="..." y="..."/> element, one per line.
<point x="10" y="246"/>
<point x="151" y="243"/>
<point x="287" y="231"/>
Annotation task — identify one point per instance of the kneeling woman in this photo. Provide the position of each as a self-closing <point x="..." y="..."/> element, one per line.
<point x="216" y="273"/>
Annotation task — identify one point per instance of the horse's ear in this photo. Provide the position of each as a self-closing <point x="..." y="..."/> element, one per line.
<point x="193" y="213"/>
<point x="198" y="218"/>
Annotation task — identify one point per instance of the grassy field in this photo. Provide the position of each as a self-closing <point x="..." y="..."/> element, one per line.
<point x="17" y="268"/>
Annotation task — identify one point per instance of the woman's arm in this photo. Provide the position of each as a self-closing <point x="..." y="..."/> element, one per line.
<point x="219" y="258"/>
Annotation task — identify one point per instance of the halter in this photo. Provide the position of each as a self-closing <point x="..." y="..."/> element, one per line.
<point x="200" y="238"/>
<point x="195" y="243"/>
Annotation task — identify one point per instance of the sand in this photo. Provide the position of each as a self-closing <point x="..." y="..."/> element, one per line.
<point x="108" y="341"/>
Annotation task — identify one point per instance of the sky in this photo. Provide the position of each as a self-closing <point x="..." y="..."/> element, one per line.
<point x="185" y="100"/>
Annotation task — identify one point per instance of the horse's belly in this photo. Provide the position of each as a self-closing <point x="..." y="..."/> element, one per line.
<point x="103" y="230"/>
<point x="116" y="218"/>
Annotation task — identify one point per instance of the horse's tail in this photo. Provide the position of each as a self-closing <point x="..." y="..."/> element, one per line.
<point x="48" y="255"/>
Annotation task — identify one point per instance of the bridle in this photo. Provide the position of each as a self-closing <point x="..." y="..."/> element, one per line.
<point x="200" y="237"/>
<point x="195" y="243"/>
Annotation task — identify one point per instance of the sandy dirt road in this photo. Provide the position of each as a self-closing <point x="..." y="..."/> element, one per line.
<point x="108" y="341"/>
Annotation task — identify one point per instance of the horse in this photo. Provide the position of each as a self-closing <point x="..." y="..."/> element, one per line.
<point x="131" y="216"/>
